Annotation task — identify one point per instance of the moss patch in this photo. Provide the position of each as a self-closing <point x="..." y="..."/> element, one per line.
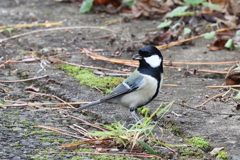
<point x="222" y="155"/>
<point x="86" y="77"/>
<point x="200" y="143"/>
<point x="187" y="153"/>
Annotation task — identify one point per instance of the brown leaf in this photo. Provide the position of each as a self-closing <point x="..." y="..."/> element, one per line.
<point x="148" y="8"/>
<point x="218" y="44"/>
<point x="233" y="7"/>
<point x="115" y="3"/>
<point x="215" y="151"/>
<point x="157" y="38"/>
<point x="233" y="77"/>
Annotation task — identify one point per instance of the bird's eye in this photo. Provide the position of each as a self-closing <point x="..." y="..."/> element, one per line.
<point x="148" y="54"/>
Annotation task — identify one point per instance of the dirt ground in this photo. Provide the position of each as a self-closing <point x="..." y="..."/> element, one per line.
<point x="217" y="122"/>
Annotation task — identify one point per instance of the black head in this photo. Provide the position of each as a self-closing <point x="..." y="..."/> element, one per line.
<point x="149" y="57"/>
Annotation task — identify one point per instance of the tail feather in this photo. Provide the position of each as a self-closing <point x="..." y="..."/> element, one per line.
<point x="88" y="105"/>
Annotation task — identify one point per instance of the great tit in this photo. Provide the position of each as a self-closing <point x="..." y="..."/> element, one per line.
<point x="142" y="86"/>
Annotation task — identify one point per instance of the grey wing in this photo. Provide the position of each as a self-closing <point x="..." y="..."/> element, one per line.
<point x="130" y="84"/>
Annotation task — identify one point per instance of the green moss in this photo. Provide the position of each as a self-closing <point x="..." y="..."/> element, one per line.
<point x="83" y="150"/>
<point x="50" y="140"/>
<point x="200" y="143"/>
<point x="190" y="153"/>
<point x="25" y="123"/>
<point x="175" y="130"/>
<point x="40" y="157"/>
<point x="13" y="112"/>
<point x="53" y="133"/>
<point x="23" y="53"/>
<point x="106" y="157"/>
<point x="78" y="158"/>
<point x="38" y="132"/>
<point x="86" y="77"/>
<point x="222" y="155"/>
<point x="2" y="102"/>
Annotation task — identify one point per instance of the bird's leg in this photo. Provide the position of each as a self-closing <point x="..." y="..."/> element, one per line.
<point x="135" y="115"/>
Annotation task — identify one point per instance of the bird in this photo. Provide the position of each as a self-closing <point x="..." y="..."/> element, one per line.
<point x="141" y="87"/>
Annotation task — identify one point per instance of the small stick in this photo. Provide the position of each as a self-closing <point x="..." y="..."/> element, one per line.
<point x="55" y="29"/>
<point x="229" y="86"/>
<point x="39" y="104"/>
<point x="208" y="71"/>
<point x="24" y="80"/>
<point x="202" y="63"/>
<point x="85" y="131"/>
<point x="52" y="96"/>
<point x="87" y="123"/>
<point x="61" y="132"/>
<point x="135" y="63"/>
<point x="56" y="60"/>
<point x="127" y="154"/>
<point x="31" y="25"/>
<point x="218" y="95"/>
<point x="189" y="39"/>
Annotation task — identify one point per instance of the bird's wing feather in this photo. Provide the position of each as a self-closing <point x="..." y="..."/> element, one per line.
<point x="129" y="85"/>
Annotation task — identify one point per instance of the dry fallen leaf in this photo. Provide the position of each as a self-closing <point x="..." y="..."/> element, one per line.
<point x="217" y="44"/>
<point x="115" y="3"/>
<point x="157" y="38"/>
<point x="233" y="77"/>
<point x="215" y="151"/>
<point x="148" y="8"/>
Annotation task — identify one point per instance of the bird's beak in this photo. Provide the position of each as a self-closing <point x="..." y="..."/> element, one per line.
<point x="137" y="57"/>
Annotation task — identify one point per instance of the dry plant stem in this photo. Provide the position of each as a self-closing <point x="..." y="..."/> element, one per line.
<point x="89" y="124"/>
<point x="189" y="39"/>
<point x="24" y="80"/>
<point x="80" y="131"/>
<point x="31" y="25"/>
<point x="61" y="132"/>
<point x="131" y="63"/>
<point x="55" y="60"/>
<point x="39" y="104"/>
<point x="207" y="71"/>
<point x="85" y="131"/>
<point x="218" y="95"/>
<point x="230" y="86"/>
<point x="16" y="62"/>
<point x="234" y="66"/>
<point x="37" y="110"/>
<point x="56" y="29"/>
<point x="127" y="154"/>
<point x="202" y="63"/>
<point x="52" y="96"/>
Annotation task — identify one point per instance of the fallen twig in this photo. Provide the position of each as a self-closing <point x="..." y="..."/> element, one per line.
<point x="202" y="63"/>
<point x="218" y="95"/>
<point x="38" y="104"/>
<point x="60" y="131"/>
<point x="89" y="124"/>
<point x="55" y="29"/>
<point x="132" y="63"/>
<point x="58" y="61"/>
<point x="229" y="86"/>
<point x="127" y="154"/>
<point x="200" y="70"/>
<point x="52" y="96"/>
<point x="27" y="60"/>
<point x="24" y="80"/>
<point x="189" y="39"/>
<point x="47" y="24"/>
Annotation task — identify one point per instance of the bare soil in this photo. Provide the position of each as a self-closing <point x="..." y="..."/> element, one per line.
<point x="218" y="122"/>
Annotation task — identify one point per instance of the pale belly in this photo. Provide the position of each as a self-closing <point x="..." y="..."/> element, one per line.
<point x="142" y="95"/>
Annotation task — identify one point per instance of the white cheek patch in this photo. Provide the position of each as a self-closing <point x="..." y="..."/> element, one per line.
<point x="153" y="61"/>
